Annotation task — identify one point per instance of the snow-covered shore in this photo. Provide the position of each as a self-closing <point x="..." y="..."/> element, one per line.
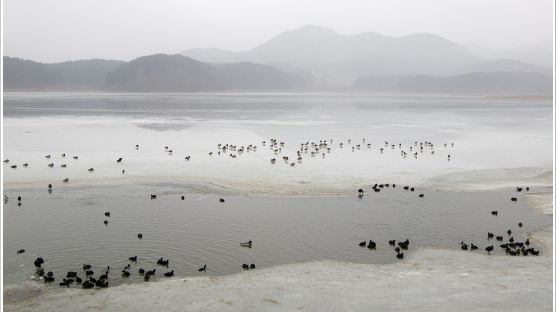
<point x="430" y="280"/>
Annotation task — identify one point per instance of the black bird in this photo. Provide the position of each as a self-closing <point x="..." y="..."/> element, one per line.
<point x="40" y="272"/>
<point x="499" y="238"/>
<point x="252" y="266"/>
<point x="48" y="279"/>
<point x="509" y="232"/>
<point x="222" y="200"/>
<point x="473" y="247"/>
<point x="489" y="248"/>
<point x="490" y="235"/>
<point x="119" y="160"/>
<point x="88" y="285"/>
<point x="65" y="283"/>
<point x="162" y="262"/>
<point x="527" y="242"/>
<point x="363" y="244"/>
<point x="412" y="189"/>
<point x="50" y="274"/>
<point x="141" y="271"/>
<point x="134" y="258"/>
<point x="399" y="255"/>
<point x="168" y="274"/>
<point x="514" y="199"/>
<point x="71" y="274"/>
<point x="153" y="196"/>
<point x="38" y="262"/>
<point x="152" y="272"/>
<point x="140" y="236"/>
<point x="127" y="266"/>
<point x="406" y="187"/>
<point x="494" y="213"/>
<point x="421" y="195"/>
<point x="245" y="266"/>
<point x="182" y="197"/>
<point x="107" y="214"/>
<point x="463" y="246"/>
<point x="520" y="224"/>
<point x="19" y="198"/>
<point x="20" y="251"/>
<point x="86" y="266"/>
<point x="203" y="268"/>
<point x="371" y="245"/>
<point x="106" y="222"/>
<point x="519" y="189"/>
<point x="125" y="273"/>
<point x="511" y="239"/>
<point x="392" y="242"/>
<point x="89" y="272"/>
<point x="78" y="280"/>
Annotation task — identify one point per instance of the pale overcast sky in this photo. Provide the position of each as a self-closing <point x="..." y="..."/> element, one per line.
<point x="57" y="30"/>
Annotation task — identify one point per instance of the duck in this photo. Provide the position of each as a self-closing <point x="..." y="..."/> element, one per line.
<point x="162" y="261"/>
<point x="153" y="196"/>
<point x="51" y="165"/>
<point x="371" y="245"/>
<point x="187" y="157"/>
<point x="399" y="255"/>
<point x="127" y="266"/>
<point x="499" y="238"/>
<point x="48" y="279"/>
<point x="392" y="242"/>
<point x="38" y="262"/>
<point x="141" y="271"/>
<point x="91" y="169"/>
<point x="47" y="156"/>
<point x="25" y="165"/>
<point x="363" y="244"/>
<point x="14" y="166"/>
<point x="71" y="274"/>
<point x="125" y="273"/>
<point x="75" y="157"/>
<point x="106" y="222"/>
<point x="494" y="213"/>
<point x="421" y="195"/>
<point x="107" y="214"/>
<point x="182" y="197"/>
<point x="245" y="266"/>
<point x="252" y="266"/>
<point x="489" y="249"/>
<point x="203" y="269"/>
<point x="222" y="200"/>
<point x="140" y="236"/>
<point x="78" y="280"/>
<point x="169" y="274"/>
<point x="473" y="247"/>
<point x="247" y="244"/>
<point x="490" y="235"/>
<point x="463" y="246"/>
<point x="513" y="199"/>
<point x="119" y="160"/>
<point x="527" y="242"/>
<point x="520" y="224"/>
<point x="6" y="161"/>
<point x="66" y="180"/>
<point x="89" y="272"/>
<point x="86" y="266"/>
<point x="134" y="258"/>
<point x="20" y="251"/>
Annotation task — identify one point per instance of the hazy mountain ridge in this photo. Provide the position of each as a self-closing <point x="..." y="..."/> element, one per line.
<point x="477" y="82"/>
<point x="22" y="74"/>
<point x="539" y="53"/>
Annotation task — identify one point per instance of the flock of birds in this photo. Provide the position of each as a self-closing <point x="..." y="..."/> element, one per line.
<point x="322" y="148"/>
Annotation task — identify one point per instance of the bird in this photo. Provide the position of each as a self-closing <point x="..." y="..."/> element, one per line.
<point x="119" y="160"/>
<point x="421" y="195"/>
<point x="203" y="269"/>
<point x="399" y="255"/>
<point x="127" y="266"/>
<point x="71" y="274"/>
<point x="86" y="266"/>
<point x="490" y="235"/>
<point x="89" y="272"/>
<point x="91" y="169"/>
<point x="520" y="224"/>
<point x="489" y="248"/>
<point x="107" y="213"/>
<point x="514" y="199"/>
<point x="66" y="180"/>
<point x="106" y="222"/>
<point x="371" y="245"/>
<point x="141" y="271"/>
<point x="134" y="258"/>
<point x="247" y="244"/>
<point x="168" y="274"/>
<point x="252" y="266"/>
<point x="494" y="213"/>
<point x="245" y="266"/>
<point x="140" y="236"/>
<point x="125" y="273"/>
<point x="363" y="244"/>
<point x="182" y="197"/>
<point x="20" y="251"/>
<point x="222" y="200"/>
<point x="153" y="196"/>
<point x="162" y="261"/>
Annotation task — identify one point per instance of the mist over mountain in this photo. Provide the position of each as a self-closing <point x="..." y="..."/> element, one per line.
<point x="307" y="58"/>
<point x="494" y="82"/>
<point x="335" y="57"/>
<point x="539" y="53"/>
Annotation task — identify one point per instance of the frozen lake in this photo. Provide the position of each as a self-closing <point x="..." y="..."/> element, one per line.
<point x="306" y="212"/>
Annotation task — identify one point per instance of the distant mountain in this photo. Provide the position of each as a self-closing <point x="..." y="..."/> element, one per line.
<point x="539" y="54"/>
<point x="336" y="57"/>
<point x="499" y="65"/>
<point x="497" y="82"/>
<point x="22" y="74"/>
<point x="154" y="73"/>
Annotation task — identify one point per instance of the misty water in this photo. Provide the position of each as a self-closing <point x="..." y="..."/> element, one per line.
<point x="306" y="212"/>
